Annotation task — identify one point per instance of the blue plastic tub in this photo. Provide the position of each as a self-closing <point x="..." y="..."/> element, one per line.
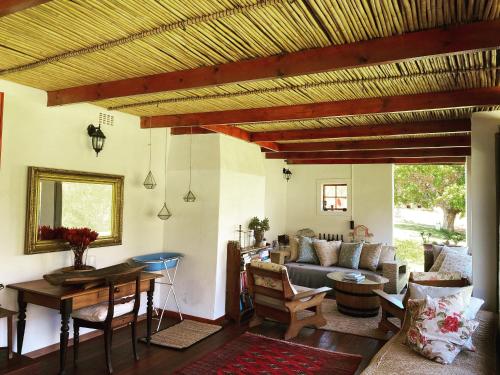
<point x="155" y="262"/>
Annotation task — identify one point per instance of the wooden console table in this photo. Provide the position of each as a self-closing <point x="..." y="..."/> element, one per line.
<point x="65" y="299"/>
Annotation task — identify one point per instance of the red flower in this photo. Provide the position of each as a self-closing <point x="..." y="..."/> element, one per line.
<point x="79" y="237"/>
<point x="450" y="324"/>
<point x="430" y="313"/>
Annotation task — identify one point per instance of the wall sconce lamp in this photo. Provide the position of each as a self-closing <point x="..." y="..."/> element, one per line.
<point x="98" y="138"/>
<point x="287" y="174"/>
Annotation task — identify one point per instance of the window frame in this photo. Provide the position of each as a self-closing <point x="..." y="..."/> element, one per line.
<point x="320" y="184"/>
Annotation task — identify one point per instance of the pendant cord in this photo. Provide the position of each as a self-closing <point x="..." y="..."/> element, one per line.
<point x="150" y="144"/>
<point x="190" y="155"/>
<point x="166" y="141"/>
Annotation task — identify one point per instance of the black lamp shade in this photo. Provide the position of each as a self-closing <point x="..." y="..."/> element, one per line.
<point x="98" y="138"/>
<point x="287" y="174"/>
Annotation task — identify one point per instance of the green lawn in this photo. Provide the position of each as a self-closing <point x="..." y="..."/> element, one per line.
<point x="409" y="242"/>
<point x="436" y="235"/>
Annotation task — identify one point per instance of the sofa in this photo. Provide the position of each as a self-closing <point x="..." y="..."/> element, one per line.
<point x="314" y="275"/>
<point x="397" y="358"/>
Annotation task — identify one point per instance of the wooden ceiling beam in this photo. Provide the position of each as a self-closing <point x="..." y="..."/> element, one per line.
<point x="371" y="154"/>
<point x="12" y="6"/>
<point x="227" y="130"/>
<point x="487" y="96"/>
<point x="190" y="130"/>
<point x="406" y="128"/>
<point x="420" y="44"/>
<point x="379" y="144"/>
<point x="436" y="160"/>
<point x="236" y="132"/>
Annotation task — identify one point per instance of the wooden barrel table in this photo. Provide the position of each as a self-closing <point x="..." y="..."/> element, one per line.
<point x="357" y="298"/>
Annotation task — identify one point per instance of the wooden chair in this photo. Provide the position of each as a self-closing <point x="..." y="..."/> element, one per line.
<point x="275" y="297"/>
<point x="394" y="305"/>
<point x="117" y="312"/>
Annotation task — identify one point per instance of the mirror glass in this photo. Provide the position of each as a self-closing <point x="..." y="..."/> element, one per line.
<point x="71" y="199"/>
<point x="75" y="205"/>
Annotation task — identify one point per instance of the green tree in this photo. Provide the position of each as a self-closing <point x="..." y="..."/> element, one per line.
<point x="432" y="186"/>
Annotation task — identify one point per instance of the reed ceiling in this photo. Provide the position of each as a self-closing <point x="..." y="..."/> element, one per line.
<point x="385" y="118"/>
<point x="63" y="44"/>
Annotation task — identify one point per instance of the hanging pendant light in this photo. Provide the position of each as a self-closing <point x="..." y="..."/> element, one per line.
<point x="164" y="213"/>
<point x="190" y="197"/>
<point x="150" y="182"/>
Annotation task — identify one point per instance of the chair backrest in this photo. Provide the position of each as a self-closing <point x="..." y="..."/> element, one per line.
<point x="269" y="279"/>
<point x="438" y="279"/>
<point x="113" y="283"/>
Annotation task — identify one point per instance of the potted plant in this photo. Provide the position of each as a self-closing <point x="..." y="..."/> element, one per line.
<point x="259" y="227"/>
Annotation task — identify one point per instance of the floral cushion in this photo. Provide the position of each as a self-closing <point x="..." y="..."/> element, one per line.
<point x="268" y="282"/>
<point x="370" y="255"/>
<point x="426" y="276"/>
<point x="327" y="251"/>
<point x="306" y="251"/>
<point x="350" y="254"/>
<point x="458" y="263"/>
<point x="438" y="328"/>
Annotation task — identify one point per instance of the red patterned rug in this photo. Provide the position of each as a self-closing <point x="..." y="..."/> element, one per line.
<point x="254" y="354"/>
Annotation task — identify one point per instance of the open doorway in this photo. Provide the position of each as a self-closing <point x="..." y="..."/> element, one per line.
<point x="429" y="207"/>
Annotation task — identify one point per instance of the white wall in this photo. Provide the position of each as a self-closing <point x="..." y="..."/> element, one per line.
<point x="242" y="196"/>
<point x="276" y="197"/>
<point x="35" y="135"/>
<point x="193" y="227"/>
<point x="483" y="207"/>
<point x="229" y="183"/>
<point x="372" y="202"/>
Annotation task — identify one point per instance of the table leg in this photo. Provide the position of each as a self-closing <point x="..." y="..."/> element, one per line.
<point x="150" y="293"/>
<point x="65" y="309"/>
<point x="9" y="336"/>
<point x="21" y="321"/>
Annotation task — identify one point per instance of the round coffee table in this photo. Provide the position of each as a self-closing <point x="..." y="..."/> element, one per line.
<point x="357" y="299"/>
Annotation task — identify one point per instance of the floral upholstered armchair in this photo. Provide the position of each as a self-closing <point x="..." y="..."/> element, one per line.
<point x="275" y="297"/>
<point x="394" y="305"/>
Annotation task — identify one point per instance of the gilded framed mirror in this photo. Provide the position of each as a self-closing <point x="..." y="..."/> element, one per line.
<point x="71" y="199"/>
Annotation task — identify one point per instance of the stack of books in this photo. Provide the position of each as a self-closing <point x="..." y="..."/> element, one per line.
<point x="357" y="277"/>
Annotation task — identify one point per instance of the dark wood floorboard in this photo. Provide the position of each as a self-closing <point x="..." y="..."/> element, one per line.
<point x="158" y="360"/>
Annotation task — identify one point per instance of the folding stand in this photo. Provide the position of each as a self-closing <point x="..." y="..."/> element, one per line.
<point x="167" y="264"/>
<point x="170" y="283"/>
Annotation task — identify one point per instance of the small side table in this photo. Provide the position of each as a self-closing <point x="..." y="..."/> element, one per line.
<point x="279" y="256"/>
<point x="4" y="313"/>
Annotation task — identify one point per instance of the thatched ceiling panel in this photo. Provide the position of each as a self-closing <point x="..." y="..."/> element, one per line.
<point x="82" y="42"/>
<point x="386" y="118"/>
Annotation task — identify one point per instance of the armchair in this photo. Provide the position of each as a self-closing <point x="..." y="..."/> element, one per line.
<point x="394" y="305"/>
<point x="275" y="297"/>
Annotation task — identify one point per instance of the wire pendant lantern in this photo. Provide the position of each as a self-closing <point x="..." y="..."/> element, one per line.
<point x="190" y="197"/>
<point x="150" y="181"/>
<point x="165" y="213"/>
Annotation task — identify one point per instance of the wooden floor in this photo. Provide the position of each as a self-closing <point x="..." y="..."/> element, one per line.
<point x="159" y="361"/>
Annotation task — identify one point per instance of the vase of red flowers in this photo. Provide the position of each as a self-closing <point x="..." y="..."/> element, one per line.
<point x="79" y="240"/>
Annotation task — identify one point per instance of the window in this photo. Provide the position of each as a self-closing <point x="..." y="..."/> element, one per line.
<point x="334" y="197"/>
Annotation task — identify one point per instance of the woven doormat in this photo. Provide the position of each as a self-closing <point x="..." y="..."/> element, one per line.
<point x="184" y="334"/>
